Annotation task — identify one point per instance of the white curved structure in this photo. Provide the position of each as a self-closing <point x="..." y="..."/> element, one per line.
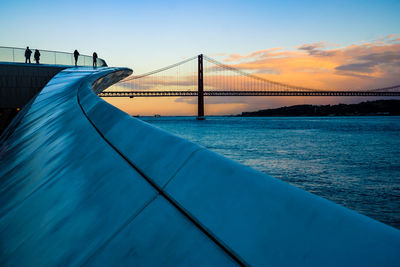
<point x="83" y="183"/>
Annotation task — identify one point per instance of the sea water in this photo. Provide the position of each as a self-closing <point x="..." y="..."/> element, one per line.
<point x="353" y="161"/>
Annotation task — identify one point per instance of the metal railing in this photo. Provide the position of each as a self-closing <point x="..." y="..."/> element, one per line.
<point x="17" y="55"/>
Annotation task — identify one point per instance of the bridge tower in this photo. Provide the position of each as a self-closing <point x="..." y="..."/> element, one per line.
<point x="200" y="84"/>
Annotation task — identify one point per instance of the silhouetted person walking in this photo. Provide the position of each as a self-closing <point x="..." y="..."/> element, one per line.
<point x="28" y="54"/>
<point x="76" y="55"/>
<point x="37" y="56"/>
<point x="94" y="60"/>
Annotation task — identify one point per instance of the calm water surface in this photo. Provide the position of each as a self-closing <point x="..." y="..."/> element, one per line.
<point x="353" y="161"/>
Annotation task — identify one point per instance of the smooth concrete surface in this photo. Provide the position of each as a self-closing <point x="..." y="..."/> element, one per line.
<point x="66" y="194"/>
<point x="20" y="82"/>
<point x="83" y="183"/>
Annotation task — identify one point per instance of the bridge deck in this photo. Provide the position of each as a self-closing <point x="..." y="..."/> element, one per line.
<point x="243" y="93"/>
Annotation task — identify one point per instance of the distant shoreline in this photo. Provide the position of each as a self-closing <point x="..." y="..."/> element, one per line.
<point x="276" y="116"/>
<point x="369" y="108"/>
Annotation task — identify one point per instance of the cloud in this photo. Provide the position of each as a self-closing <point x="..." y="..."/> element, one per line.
<point x="388" y="38"/>
<point x="396" y="40"/>
<point x="267" y="71"/>
<point x="257" y="54"/>
<point x="234" y="57"/>
<point x="309" y="47"/>
<point x="366" y="67"/>
<point x="328" y="66"/>
<point x="313" y="49"/>
<point x="352" y="74"/>
<point x="375" y="62"/>
<point x="383" y="57"/>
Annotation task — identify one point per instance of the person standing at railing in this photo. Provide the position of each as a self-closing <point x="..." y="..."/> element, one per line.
<point x="28" y="54"/>
<point x="37" y="56"/>
<point x="76" y="55"/>
<point x="94" y="60"/>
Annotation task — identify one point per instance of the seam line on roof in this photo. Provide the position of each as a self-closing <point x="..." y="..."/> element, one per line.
<point x="183" y="165"/>
<point x="160" y="190"/>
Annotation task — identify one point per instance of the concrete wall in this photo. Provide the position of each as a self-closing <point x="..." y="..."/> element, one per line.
<point x="20" y="82"/>
<point x="82" y="182"/>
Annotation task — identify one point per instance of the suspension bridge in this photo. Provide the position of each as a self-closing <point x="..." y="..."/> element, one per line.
<point x="201" y="76"/>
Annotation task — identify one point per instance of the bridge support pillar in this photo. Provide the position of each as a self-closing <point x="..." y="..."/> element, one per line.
<point x="200" y="93"/>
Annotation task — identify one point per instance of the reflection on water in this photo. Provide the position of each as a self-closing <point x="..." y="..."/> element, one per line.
<point x="353" y="161"/>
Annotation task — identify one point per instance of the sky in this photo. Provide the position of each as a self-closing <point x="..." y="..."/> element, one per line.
<point x="321" y="44"/>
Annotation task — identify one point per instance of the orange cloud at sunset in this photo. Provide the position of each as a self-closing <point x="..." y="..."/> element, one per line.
<point x="360" y="66"/>
<point x="320" y="65"/>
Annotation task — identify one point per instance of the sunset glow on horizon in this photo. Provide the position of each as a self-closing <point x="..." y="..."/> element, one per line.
<point x="365" y="65"/>
<point x="317" y="44"/>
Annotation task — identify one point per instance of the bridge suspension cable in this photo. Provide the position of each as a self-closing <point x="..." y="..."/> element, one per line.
<point x="158" y="70"/>
<point x="246" y="81"/>
<point x="175" y="77"/>
<point x="181" y="79"/>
